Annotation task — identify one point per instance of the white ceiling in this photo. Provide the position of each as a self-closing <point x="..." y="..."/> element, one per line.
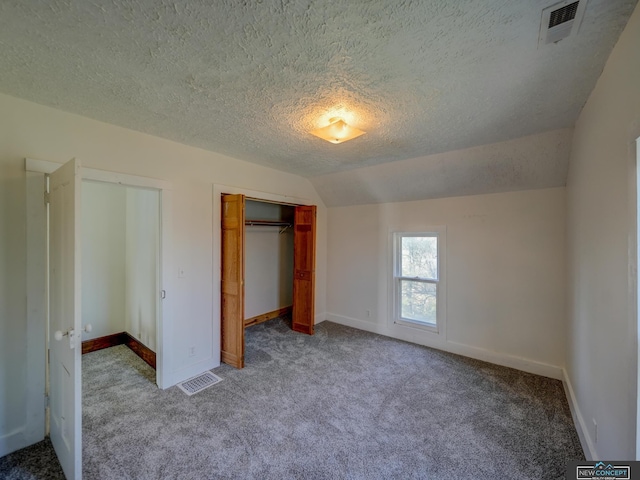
<point x="250" y="78"/>
<point x="536" y="161"/>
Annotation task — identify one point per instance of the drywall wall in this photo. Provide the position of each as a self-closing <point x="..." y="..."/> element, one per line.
<point x="142" y="238"/>
<point x="13" y="337"/>
<point x="120" y="242"/>
<point x="33" y="131"/>
<point x="103" y="258"/>
<point x="505" y="273"/>
<point x="268" y="265"/>
<point x="268" y="270"/>
<point x="602" y="328"/>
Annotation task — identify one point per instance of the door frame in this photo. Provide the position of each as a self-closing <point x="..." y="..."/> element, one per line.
<point x="633" y="265"/>
<point x="36" y="265"/>
<point x="218" y="191"/>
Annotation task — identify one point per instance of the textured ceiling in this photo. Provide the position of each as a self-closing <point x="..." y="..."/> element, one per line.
<point x="536" y="161"/>
<point x="250" y="78"/>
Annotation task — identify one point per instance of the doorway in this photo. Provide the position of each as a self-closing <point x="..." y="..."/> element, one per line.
<point x="63" y="246"/>
<point x="120" y="267"/>
<point x="37" y="263"/>
<point x="233" y="246"/>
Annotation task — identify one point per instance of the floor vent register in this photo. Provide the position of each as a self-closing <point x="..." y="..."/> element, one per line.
<point x="199" y="383"/>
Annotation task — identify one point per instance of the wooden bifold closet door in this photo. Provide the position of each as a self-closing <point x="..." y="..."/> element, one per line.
<point x="304" y="269"/>
<point x="232" y="275"/>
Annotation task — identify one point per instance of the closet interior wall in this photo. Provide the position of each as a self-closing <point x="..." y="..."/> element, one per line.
<point x="120" y="248"/>
<point x="268" y="257"/>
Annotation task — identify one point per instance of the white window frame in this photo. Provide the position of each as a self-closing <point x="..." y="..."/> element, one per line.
<point x="440" y="234"/>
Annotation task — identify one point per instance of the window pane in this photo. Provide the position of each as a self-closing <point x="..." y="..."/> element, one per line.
<point x="419" y="257"/>
<point x="418" y="301"/>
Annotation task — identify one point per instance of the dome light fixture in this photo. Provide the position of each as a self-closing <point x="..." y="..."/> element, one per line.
<point x="338" y="131"/>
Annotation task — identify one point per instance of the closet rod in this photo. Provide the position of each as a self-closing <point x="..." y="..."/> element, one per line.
<point x="267" y="223"/>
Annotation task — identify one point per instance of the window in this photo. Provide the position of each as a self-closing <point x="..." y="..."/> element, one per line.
<point x="418" y="279"/>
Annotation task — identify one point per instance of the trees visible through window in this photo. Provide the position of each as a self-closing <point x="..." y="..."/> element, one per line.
<point x="417" y="278"/>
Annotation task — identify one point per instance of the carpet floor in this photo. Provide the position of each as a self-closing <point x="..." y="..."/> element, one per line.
<point x="342" y="404"/>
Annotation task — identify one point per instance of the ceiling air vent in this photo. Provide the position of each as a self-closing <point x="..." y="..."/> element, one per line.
<point x="560" y="21"/>
<point x="563" y="15"/>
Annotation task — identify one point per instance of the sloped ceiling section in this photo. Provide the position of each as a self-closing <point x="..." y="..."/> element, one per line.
<point x="532" y="162"/>
<point x="251" y="78"/>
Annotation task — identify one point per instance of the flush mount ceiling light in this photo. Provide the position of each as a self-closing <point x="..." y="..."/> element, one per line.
<point x="337" y="131"/>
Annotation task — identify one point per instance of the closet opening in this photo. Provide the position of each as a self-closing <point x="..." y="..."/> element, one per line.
<point x="267" y="268"/>
<point x="120" y="270"/>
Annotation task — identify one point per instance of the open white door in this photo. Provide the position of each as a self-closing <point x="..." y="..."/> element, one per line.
<point x="65" y="317"/>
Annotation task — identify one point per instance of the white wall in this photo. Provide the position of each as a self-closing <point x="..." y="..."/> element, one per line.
<point x="142" y="214"/>
<point x="602" y="339"/>
<point x="13" y="313"/>
<point x="33" y="131"/>
<point x="268" y="266"/>
<point x="505" y="273"/>
<point x="120" y="242"/>
<point x="268" y="269"/>
<point x="103" y="258"/>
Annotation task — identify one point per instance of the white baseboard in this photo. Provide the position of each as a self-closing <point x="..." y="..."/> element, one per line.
<point x="13" y="441"/>
<point x="355" y="323"/>
<point x="583" y="432"/>
<point x="191" y="371"/>
<point x="518" y="363"/>
<point x="434" y="341"/>
<point x="319" y="318"/>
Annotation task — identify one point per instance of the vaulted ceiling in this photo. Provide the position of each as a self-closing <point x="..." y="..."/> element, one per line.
<point x="251" y="78"/>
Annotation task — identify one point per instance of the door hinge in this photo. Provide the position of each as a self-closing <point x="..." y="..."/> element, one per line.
<point x="46" y="401"/>
<point x="163" y="294"/>
<point x="47" y="196"/>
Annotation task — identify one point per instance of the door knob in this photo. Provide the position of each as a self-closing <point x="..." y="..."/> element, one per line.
<point x="71" y="334"/>
<point x="58" y="335"/>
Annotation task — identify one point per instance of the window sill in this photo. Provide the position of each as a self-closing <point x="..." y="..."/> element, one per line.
<point x="428" y="327"/>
